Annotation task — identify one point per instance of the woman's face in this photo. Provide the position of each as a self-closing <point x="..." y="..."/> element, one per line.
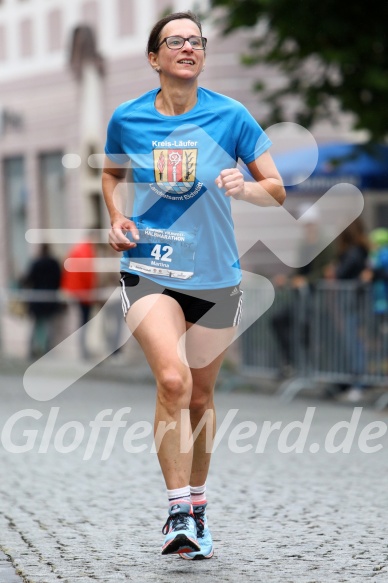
<point x="183" y="63"/>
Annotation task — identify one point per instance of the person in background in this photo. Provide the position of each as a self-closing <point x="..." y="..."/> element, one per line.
<point x="376" y="275"/>
<point x="376" y="271"/>
<point x="352" y="250"/>
<point x="291" y="323"/>
<point x="79" y="282"/>
<point x="43" y="275"/>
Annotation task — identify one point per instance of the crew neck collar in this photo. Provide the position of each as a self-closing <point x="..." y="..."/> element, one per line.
<point x="181" y="115"/>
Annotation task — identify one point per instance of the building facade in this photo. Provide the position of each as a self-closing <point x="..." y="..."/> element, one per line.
<point x="64" y="67"/>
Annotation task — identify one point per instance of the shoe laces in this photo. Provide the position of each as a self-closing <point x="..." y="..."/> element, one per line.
<point x="200" y="522"/>
<point x="177" y="521"/>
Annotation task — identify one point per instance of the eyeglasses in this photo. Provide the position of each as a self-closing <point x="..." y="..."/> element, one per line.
<point x="198" y="43"/>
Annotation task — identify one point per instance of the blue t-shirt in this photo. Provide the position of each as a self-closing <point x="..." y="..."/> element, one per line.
<point x="186" y="229"/>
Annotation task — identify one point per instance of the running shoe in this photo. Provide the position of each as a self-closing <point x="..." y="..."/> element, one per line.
<point x="204" y="536"/>
<point x="180" y="530"/>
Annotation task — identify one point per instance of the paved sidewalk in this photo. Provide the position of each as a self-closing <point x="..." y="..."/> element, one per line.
<point x="276" y="517"/>
<point x="7" y="571"/>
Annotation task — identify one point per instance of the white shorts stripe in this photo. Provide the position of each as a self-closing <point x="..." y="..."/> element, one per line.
<point x="125" y="303"/>
<point x="237" y="318"/>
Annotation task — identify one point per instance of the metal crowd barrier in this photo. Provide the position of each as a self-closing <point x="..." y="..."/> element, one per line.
<point x="332" y="334"/>
<point x="335" y="333"/>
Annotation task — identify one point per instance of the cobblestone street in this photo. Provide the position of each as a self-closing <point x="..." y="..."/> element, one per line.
<point x="308" y="517"/>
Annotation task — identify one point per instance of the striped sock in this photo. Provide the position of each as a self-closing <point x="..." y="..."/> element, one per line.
<point x="179" y="495"/>
<point x="198" y="495"/>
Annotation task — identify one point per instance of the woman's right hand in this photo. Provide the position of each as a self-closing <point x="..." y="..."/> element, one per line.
<point x="117" y="235"/>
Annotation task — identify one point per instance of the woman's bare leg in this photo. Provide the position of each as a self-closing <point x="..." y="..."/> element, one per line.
<point x="157" y="322"/>
<point x="200" y="342"/>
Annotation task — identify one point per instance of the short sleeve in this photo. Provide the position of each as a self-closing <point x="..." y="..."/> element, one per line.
<point x="113" y="146"/>
<point x="251" y="140"/>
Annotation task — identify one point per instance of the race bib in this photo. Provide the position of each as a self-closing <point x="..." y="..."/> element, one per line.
<point x="163" y="252"/>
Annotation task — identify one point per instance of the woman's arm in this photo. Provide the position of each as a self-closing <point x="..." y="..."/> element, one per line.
<point x="113" y="181"/>
<point x="267" y="190"/>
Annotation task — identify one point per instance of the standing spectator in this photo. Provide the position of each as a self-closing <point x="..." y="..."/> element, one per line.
<point x="352" y="251"/>
<point x="43" y="275"/>
<point x="291" y="323"/>
<point x="377" y="270"/>
<point x="350" y="262"/>
<point x="376" y="274"/>
<point x="79" y="281"/>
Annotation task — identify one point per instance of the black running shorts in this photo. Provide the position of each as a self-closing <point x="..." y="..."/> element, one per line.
<point x="212" y="308"/>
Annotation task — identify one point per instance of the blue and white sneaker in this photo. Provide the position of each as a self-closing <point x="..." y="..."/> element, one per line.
<point x="204" y="536"/>
<point x="180" y="530"/>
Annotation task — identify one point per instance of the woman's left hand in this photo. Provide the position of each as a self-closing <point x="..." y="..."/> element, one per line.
<point x="232" y="180"/>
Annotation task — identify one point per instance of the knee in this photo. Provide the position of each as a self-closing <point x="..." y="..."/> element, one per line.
<point x="201" y="400"/>
<point x="174" y="389"/>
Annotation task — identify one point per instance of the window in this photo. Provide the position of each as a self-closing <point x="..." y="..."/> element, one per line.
<point x="54" y="30"/>
<point x="126" y="18"/>
<point x="3" y="43"/>
<point x="26" y="38"/>
<point x="52" y="188"/>
<point x="16" y="195"/>
<point x="97" y="210"/>
<point x="90" y="15"/>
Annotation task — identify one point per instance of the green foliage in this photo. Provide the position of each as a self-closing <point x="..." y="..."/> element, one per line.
<point x="333" y="55"/>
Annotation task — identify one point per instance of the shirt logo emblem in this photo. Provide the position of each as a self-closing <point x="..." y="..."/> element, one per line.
<point x="175" y="169"/>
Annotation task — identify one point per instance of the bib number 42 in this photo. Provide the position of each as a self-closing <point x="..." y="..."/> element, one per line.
<point x="162" y="253"/>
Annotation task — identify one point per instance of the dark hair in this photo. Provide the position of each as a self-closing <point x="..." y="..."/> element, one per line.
<point x="154" y="38"/>
<point x="353" y="235"/>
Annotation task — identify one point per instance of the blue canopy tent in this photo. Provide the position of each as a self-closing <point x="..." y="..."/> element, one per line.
<point x="366" y="168"/>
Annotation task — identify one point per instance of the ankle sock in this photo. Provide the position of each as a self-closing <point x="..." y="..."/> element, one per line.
<point x="179" y="495"/>
<point x="198" y="495"/>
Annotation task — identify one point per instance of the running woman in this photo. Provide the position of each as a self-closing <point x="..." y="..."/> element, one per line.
<point x="180" y="273"/>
